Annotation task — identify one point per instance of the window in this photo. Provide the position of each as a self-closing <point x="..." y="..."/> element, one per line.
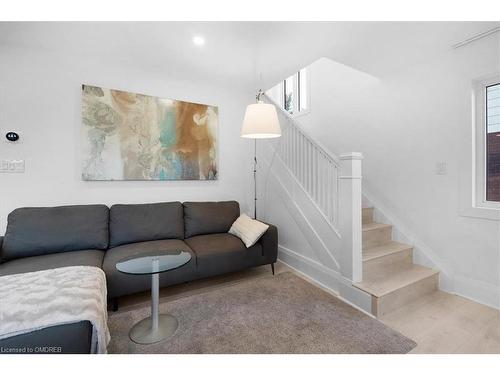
<point x="480" y="190"/>
<point x="289" y="94"/>
<point x="492" y="108"/>
<point x="293" y="93"/>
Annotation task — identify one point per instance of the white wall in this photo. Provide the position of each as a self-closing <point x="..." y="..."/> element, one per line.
<point x="40" y="97"/>
<point x="404" y="123"/>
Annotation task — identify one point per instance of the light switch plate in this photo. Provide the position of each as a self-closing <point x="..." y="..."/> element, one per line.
<point x="11" y="166"/>
<point x="441" y="168"/>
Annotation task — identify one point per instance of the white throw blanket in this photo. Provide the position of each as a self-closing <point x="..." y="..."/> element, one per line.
<point x="35" y="300"/>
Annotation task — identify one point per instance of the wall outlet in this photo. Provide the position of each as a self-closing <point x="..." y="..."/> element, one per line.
<point x="11" y="166"/>
<point x="441" y="168"/>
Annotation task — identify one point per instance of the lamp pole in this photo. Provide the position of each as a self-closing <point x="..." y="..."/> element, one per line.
<point x="255" y="178"/>
<point x="257" y="97"/>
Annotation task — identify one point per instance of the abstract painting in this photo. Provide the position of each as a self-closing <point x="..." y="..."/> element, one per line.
<point x="129" y="136"/>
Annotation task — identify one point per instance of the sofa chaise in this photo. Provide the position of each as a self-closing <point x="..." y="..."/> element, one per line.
<point x="95" y="235"/>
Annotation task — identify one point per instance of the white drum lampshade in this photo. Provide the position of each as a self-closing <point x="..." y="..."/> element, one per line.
<point x="261" y="121"/>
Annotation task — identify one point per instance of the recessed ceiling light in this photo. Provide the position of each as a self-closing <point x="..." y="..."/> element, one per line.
<point x="198" y="40"/>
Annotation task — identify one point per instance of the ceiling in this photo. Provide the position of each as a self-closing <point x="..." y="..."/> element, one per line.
<point x="242" y="54"/>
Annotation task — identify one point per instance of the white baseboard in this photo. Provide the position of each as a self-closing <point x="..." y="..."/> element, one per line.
<point x="478" y="291"/>
<point x="326" y="278"/>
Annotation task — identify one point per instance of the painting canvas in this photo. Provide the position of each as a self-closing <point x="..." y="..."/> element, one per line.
<point x="129" y="136"/>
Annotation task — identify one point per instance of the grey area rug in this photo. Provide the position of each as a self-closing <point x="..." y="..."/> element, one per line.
<point x="274" y="314"/>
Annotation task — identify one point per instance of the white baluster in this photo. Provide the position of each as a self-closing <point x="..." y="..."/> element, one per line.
<point x="285" y="142"/>
<point x="299" y="159"/>
<point x="313" y="174"/>
<point x="323" y="182"/>
<point x="309" y="172"/>
<point x="302" y="159"/>
<point x="330" y="191"/>
<point x="299" y="152"/>
<point x="289" y="146"/>
<point x="336" y="201"/>
<point x="320" y="187"/>
<point x="296" y="152"/>
<point x="287" y="138"/>
<point x="292" y="151"/>
<point x="316" y="182"/>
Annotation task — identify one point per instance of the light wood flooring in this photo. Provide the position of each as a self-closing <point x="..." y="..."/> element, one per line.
<point x="438" y="322"/>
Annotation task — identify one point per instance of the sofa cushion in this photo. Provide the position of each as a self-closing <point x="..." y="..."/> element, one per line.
<point x="120" y="284"/>
<point x="222" y="252"/>
<point x="130" y="223"/>
<point x="209" y="217"/>
<point x="35" y="231"/>
<point x="43" y="262"/>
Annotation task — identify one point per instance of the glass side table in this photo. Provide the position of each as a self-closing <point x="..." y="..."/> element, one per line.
<point x="158" y="326"/>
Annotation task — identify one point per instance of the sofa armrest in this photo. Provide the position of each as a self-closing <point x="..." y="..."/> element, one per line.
<point x="269" y="242"/>
<point x="1" y="244"/>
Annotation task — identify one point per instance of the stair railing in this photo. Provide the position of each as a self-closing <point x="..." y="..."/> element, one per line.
<point x="314" y="167"/>
<point x="332" y="183"/>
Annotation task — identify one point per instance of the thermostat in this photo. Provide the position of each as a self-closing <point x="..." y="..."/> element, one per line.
<point x="12" y="136"/>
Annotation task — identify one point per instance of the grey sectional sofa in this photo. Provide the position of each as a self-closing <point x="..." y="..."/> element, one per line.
<point x="93" y="235"/>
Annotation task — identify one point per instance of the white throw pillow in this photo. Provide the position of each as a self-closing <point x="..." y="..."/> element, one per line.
<point x="248" y="230"/>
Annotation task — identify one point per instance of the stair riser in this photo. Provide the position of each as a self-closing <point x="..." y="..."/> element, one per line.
<point x="376" y="237"/>
<point x="400" y="297"/>
<point x="387" y="264"/>
<point x="367" y="215"/>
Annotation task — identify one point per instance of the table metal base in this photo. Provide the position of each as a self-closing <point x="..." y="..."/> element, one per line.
<point x="143" y="333"/>
<point x="157" y="327"/>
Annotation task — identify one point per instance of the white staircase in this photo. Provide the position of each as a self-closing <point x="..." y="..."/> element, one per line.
<point x="321" y="193"/>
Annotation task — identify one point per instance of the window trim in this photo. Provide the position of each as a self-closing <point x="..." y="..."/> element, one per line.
<point x="296" y="87"/>
<point x="298" y="90"/>
<point x="481" y="142"/>
<point x="473" y="182"/>
<point x="308" y="92"/>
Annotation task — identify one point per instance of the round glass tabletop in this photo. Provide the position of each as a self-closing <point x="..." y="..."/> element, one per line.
<point x="147" y="265"/>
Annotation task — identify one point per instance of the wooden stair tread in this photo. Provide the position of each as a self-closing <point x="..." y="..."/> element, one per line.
<point x="367" y="215"/>
<point x="386" y="284"/>
<point x="388" y="248"/>
<point x="374" y="226"/>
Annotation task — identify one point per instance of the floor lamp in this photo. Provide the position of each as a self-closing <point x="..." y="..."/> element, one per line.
<point x="260" y="122"/>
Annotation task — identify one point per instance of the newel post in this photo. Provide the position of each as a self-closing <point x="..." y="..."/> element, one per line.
<point x="350" y="215"/>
